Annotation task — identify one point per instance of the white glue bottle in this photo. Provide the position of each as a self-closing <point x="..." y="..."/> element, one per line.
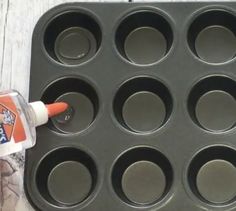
<point x="19" y="119"/>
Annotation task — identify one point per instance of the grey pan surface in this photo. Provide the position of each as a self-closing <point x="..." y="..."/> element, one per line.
<point x="216" y="110"/>
<point x="144" y="111"/>
<point x="143" y="182"/>
<point x="216" y="181"/>
<point x="75" y="45"/>
<point x="69" y="182"/>
<point x="99" y="131"/>
<point x="145" y="45"/>
<point x="216" y="44"/>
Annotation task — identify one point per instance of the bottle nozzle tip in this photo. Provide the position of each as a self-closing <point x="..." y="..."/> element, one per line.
<point x="56" y="108"/>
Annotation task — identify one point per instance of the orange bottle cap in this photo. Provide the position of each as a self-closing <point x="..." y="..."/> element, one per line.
<point x="56" y="108"/>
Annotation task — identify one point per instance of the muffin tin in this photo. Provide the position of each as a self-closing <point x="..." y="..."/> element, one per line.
<point x="152" y="94"/>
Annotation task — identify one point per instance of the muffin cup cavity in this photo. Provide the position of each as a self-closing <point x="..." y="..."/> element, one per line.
<point x="211" y="36"/>
<point x="212" y="174"/>
<point x="142" y="105"/>
<point x="144" y="37"/>
<point x="212" y="103"/>
<point x="142" y="176"/>
<point x="83" y="104"/>
<point x="72" y="38"/>
<point x="66" y="177"/>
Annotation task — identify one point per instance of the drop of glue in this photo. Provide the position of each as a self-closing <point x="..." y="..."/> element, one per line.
<point x="66" y="116"/>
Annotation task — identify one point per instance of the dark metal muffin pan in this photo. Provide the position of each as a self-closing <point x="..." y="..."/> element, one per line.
<point x="152" y="94"/>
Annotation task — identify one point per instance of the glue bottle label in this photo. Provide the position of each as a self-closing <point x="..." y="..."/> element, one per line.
<point x="11" y="126"/>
